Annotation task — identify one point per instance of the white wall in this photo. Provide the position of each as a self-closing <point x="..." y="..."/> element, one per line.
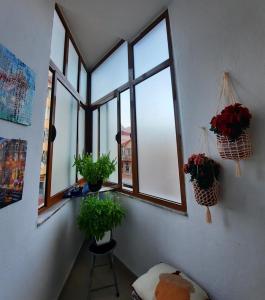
<point x="34" y="262"/>
<point x="227" y="257"/>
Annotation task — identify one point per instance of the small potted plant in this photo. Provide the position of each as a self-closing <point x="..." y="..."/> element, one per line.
<point x="98" y="217"/>
<point x="95" y="173"/>
<point x="204" y="173"/>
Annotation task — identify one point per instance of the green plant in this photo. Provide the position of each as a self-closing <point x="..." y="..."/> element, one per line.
<point x="99" y="215"/>
<point x="94" y="172"/>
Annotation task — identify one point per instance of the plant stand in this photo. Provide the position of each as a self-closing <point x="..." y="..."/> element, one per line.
<point x="103" y="250"/>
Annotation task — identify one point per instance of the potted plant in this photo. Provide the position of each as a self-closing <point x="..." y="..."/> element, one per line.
<point x="204" y="173"/>
<point x="230" y="126"/>
<point x="98" y="217"/>
<point x="95" y="173"/>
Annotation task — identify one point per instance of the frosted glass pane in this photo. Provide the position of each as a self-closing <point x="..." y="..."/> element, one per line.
<point x="83" y="83"/>
<point x="81" y="134"/>
<point x="72" y="69"/>
<point x="156" y="138"/>
<point x="81" y="131"/>
<point x="111" y="74"/>
<point x="64" y="146"/>
<point x="57" y="43"/>
<point x="95" y="135"/>
<point x="126" y="143"/>
<point x="108" y="131"/>
<point x="151" y="50"/>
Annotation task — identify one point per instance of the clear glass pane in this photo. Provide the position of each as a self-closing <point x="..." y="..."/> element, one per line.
<point x="43" y="168"/>
<point x="111" y="74"/>
<point x="156" y="138"/>
<point x="108" y="131"/>
<point x="151" y="50"/>
<point x="83" y="83"/>
<point x="57" y="43"/>
<point x="81" y="133"/>
<point x="64" y="146"/>
<point x="95" y="135"/>
<point x="72" y="68"/>
<point x="126" y="143"/>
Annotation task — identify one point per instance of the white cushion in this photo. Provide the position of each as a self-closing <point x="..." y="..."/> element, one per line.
<point x="146" y="284"/>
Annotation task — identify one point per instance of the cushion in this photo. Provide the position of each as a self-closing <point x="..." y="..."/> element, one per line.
<point x="145" y="286"/>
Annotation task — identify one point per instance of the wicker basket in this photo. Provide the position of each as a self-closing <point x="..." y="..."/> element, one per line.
<point x="208" y="197"/>
<point x="236" y="150"/>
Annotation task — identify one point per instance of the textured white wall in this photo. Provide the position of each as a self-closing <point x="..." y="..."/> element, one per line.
<point x="34" y="262"/>
<point x="227" y="257"/>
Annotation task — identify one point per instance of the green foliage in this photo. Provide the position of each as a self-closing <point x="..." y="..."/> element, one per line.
<point x="95" y="171"/>
<point x="99" y="215"/>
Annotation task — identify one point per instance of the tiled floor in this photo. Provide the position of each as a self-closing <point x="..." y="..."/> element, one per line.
<point x="76" y="287"/>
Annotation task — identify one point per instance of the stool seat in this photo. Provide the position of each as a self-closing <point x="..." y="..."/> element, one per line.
<point x="102" y="249"/>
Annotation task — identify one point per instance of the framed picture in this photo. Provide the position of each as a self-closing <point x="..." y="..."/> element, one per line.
<point x="17" y="88"/>
<point x="12" y="168"/>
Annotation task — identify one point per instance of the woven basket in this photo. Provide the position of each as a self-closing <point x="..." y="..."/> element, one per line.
<point x="208" y="197"/>
<point x="239" y="149"/>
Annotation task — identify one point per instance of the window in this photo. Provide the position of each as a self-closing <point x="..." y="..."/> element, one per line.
<point x="58" y="41"/>
<point x="111" y="74"/>
<point x="145" y="58"/>
<point x="65" y="115"/>
<point x="138" y="119"/>
<point x="108" y="132"/>
<point x="156" y="138"/>
<point x="64" y="145"/>
<point x="83" y="83"/>
<point x="72" y="67"/>
<point x="44" y="156"/>
<point x="126" y="143"/>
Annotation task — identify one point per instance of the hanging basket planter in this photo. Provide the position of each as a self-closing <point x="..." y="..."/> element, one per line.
<point x="231" y="127"/>
<point x="204" y="174"/>
<point x="238" y="149"/>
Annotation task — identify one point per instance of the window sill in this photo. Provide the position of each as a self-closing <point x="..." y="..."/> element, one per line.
<point x="138" y="198"/>
<point x="48" y="213"/>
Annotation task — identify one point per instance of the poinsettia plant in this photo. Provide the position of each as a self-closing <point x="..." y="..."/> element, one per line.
<point x="232" y="121"/>
<point x="202" y="169"/>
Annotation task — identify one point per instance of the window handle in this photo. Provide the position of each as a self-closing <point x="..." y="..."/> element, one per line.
<point x="53" y="133"/>
<point x="118" y="137"/>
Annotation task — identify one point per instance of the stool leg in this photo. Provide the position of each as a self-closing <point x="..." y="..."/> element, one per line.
<point x="114" y="274"/>
<point x="91" y="275"/>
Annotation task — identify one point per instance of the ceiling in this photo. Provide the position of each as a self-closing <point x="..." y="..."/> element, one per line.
<point x="97" y="25"/>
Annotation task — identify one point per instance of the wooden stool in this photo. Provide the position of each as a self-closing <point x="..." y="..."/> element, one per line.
<point x="101" y="250"/>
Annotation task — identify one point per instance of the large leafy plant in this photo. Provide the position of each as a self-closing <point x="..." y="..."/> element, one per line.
<point x="99" y="215"/>
<point x="93" y="172"/>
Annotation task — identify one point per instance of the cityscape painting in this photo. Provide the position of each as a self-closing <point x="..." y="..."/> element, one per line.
<point x="17" y="87"/>
<point x="12" y="168"/>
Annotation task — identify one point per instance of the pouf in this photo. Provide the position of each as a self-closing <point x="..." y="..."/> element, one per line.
<point x="146" y="286"/>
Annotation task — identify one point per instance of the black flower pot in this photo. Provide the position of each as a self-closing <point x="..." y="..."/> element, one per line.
<point x="95" y="187"/>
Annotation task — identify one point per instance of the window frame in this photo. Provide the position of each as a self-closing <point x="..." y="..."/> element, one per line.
<point x="62" y="78"/>
<point x="131" y="84"/>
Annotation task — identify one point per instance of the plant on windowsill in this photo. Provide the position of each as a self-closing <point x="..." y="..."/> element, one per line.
<point x="95" y="173"/>
<point x="98" y="217"/>
<point x="204" y="173"/>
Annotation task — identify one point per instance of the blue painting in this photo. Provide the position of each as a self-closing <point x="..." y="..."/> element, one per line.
<point x="17" y="88"/>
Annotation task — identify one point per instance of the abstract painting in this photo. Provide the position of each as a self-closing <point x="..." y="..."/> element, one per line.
<point x="12" y="168"/>
<point x="17" y="87"/>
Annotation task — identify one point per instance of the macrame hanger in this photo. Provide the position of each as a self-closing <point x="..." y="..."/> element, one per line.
<point x="227" y="92"/>
<point x="204" y="146"/>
